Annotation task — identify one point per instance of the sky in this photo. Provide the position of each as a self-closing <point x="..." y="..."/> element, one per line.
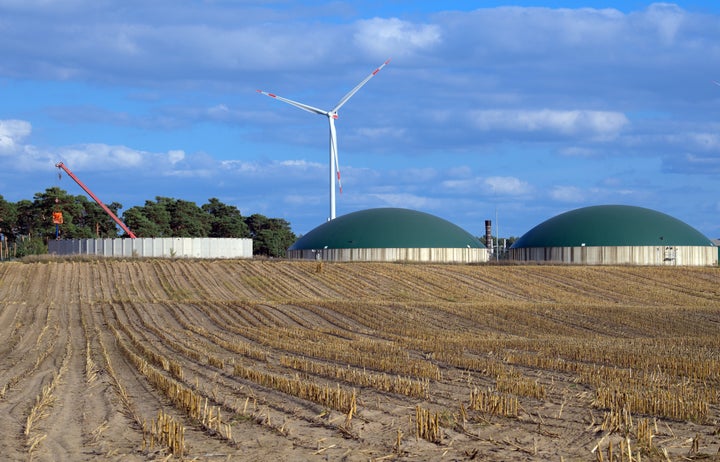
<point x="512" y="112"/>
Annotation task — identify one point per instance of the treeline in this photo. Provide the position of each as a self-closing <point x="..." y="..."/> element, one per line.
<point x="29" y="224"/>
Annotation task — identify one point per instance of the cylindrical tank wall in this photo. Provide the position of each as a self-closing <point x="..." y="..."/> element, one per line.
<point x="466" y="255"/>
<point x="620" y="255"/>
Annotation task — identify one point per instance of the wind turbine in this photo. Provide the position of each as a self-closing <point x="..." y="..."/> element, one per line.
<point x="332" y="114"/>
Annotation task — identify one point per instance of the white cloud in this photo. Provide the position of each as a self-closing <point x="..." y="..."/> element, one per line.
<point x="301" y="164"/>
<point x="692" y="164"/>
<point x="219" y="111"/>
<point x="101" y="156"/>
<point x="569" y="194"/>
<point x="291" y="168"/>
<point x="12" y="132"/>
<point x="595" y="124"/>
<point x="507" y="185"/>
<point x="191" y="173"/>
<point x="464" y="185"/>
<point x="405" y="200"/>
<point x="665" y="18"/>
<point x="175" y="156"/>
<point x="380" y="133"/>
<point x="239" y="166"/>
<point x="395" y="36"/>
<point x="494" y="185"/>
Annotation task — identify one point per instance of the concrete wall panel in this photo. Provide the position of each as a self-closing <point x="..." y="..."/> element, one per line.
<point x="170" y="247"/>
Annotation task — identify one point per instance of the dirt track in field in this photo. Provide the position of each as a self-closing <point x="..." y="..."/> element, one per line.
<point x="93" y="350"/>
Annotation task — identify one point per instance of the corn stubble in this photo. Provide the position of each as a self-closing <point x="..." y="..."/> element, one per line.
<point x="344" y="336"/>
<point x="633" y="378"/>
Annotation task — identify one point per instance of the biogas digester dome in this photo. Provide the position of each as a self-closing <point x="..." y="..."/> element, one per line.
<point x="615" y="234"/>
<point x="389" y="234"/>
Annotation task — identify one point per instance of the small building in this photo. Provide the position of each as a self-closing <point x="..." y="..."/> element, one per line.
<point x="615" y="235"/>
<point x="389" y="234"/>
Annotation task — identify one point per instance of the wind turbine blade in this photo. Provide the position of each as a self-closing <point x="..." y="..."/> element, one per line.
<point x="358" y="87"/>
<point x="716" y="83"/>
<point x="337" y="171"/>
<point x="334" y="150"/>
<point x="302" y="106"/>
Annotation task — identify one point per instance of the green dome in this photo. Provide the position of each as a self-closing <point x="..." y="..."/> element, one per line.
<point x="387" y="228"/>
<point x="611" y="225"/>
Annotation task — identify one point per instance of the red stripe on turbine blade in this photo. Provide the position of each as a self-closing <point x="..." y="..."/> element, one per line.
<point x="378" y="69"/>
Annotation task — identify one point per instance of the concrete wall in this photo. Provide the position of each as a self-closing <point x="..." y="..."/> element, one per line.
<point x="394" y="254"/>
<point x="166" y="247"/>
<point x="621" y="255"/>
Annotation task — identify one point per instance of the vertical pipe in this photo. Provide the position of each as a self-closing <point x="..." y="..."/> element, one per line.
<point x="488" y="235"/>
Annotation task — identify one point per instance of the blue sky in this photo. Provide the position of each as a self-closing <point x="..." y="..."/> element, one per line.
<point x="516" y="112"/>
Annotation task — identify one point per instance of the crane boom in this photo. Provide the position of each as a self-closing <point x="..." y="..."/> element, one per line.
<point x="95" y="198"/>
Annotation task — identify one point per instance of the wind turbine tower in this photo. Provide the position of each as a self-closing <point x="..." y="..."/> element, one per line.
<point x="332" y="114"/>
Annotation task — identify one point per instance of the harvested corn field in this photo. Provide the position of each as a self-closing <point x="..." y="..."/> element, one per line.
<point x="279" y="360"/>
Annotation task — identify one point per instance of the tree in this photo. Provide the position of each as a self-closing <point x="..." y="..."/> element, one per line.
<point x="25" y="221"/>
<point x="225" y="220"/>
<point x="271" y="236"/>
<point x="150" y="220"/>
<point x="82" y="218"/>
<point x="167" y="217"/>
<point x="8" y="219"/>
<point x="135" y="219"/>
<point x="87" y="219"/>
<point x="188" y="220"/>
<point x="35" y="218"/>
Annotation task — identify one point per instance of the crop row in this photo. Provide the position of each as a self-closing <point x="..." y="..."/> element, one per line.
<point x="383" y="382"/>
<point x="332" y="397"/>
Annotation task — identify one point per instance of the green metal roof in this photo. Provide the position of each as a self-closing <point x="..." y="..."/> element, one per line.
<point x="611" y="225"/>
<point x="387" y="228"/>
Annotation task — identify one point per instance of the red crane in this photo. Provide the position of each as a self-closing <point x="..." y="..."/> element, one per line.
<point x="99" y="202"/>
